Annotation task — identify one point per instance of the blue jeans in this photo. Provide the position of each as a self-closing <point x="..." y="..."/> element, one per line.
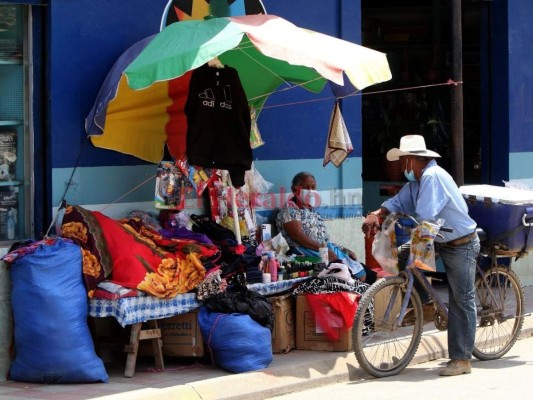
<point x="460" y="267"/>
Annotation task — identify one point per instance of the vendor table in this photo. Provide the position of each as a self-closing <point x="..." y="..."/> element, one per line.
<point x="145" y="308"/>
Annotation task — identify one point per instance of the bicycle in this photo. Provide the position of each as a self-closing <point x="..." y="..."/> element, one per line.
<point x="387" y="347"/>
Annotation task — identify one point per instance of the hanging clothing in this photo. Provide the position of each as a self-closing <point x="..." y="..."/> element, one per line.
<point x="339" y="144"/>
<point x="218" y="122"/>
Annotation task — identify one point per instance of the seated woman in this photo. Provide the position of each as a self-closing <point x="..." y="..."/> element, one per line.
<point x="303" y="228"/>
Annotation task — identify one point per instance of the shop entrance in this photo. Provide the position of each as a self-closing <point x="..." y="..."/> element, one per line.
<point x="416" y="35"/>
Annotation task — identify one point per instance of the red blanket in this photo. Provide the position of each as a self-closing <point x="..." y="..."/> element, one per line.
<point x="132" y="255"/>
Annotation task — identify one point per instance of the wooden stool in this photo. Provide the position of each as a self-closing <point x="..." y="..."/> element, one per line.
<point x="138" y="334"/>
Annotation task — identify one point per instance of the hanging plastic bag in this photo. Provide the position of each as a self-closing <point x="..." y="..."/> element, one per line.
<point x="384" y="247"/>
<point x="171" y="187"/>
<point x="255" y="135"/>
<point x="255" y="181"/>
<point x="422" y="252"/>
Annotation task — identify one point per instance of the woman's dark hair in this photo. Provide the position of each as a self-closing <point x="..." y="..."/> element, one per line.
<point x="300" y="177"/>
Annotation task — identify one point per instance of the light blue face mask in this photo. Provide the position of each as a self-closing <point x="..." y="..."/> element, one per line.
<point x="411" y="174"/>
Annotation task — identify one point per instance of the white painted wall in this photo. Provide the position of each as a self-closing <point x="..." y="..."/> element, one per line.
<point x="347" y="232"/>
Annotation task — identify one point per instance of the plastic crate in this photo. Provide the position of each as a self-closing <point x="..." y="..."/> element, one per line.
<point x="499" y="210"/>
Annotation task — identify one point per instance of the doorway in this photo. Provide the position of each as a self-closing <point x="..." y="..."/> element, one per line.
<point x="416" y="36"/>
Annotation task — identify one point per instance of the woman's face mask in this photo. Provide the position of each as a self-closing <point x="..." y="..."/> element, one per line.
<point x="310" y="197"/>
<point x="411" y="174"/>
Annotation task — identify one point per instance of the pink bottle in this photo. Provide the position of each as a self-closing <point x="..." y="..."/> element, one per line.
<point x="273" y="265"/>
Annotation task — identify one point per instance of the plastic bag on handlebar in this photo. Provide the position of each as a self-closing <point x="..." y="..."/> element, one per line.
<point x="384" y="247"/>
<point x="422" y="252"/>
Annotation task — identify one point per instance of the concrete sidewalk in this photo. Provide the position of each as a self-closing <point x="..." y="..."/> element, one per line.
<point x="192" y="380"/>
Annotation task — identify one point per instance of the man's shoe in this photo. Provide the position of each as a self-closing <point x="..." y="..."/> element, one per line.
<point x="456" y="367"/>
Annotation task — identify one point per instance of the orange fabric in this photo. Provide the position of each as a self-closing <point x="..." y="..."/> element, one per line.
<point x="334" y="312"/>
<point x="79" y="225"/>
<point x="140" y="264"/>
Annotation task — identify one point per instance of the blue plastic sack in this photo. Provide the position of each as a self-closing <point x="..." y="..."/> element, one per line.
<point x="237" y="342"/>
<point x="53" y="343"/>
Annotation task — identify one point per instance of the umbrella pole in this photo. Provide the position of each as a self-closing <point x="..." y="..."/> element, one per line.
<point x="236" y="224"/>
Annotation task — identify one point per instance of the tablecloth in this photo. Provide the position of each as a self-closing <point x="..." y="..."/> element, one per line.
<point x="142" y="308"/>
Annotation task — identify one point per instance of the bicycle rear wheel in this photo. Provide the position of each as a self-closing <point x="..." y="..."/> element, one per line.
<point x="500" y="310"/>
<point x="381" y="346"/>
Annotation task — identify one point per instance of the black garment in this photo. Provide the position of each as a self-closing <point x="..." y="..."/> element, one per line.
<point x="215" y="232"/>
<point x="218" y="122"/>
<point x="244" y="301"/>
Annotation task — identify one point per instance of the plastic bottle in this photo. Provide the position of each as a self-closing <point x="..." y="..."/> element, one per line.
<point x="281" y="273"/>
<point x="273" y="267"/>
<point x="11" y="224"/>
<point x="266" y="277"/>
<point x="323" y="251"/>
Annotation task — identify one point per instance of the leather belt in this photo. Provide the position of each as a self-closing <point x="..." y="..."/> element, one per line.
<point x="462" y="240"/>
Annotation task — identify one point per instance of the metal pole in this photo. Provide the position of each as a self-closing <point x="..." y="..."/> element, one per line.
<point x="457" y="96"/>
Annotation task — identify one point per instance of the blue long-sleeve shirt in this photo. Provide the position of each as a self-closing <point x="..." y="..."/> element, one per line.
<point x="435" y="196"/>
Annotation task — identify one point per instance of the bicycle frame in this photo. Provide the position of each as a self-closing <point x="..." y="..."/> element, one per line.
<point x="386" y="342"/>
<point x="412" y="272"/>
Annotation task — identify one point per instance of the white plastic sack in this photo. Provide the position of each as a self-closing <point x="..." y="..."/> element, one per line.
<point x="384" y="247"/>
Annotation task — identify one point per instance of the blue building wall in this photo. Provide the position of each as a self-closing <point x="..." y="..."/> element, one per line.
<point x="85" y="40"/>
<point x="510" y="138"/>
<point x="520" y="105"/>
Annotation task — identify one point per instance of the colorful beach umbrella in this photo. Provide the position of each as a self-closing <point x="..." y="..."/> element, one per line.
<point x="140" y="105"/>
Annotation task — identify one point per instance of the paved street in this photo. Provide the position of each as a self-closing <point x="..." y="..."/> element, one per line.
<point x="507" y="378"/>
<point x="300" y="370"/>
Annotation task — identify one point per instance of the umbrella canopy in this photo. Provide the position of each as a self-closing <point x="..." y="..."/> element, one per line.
<point x="140" y="105"/>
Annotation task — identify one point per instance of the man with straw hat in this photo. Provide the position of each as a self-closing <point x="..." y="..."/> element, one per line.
<point x="431" y="194"/>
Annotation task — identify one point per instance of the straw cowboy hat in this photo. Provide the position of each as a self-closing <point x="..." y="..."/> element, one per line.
<point x="411" y="145"/>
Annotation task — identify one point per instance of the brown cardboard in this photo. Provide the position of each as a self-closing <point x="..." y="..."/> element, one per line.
<point x="283" y="334"/>
<point x="181" y="335"/>
<point x="308" y="336"/>
<point x="381" y="301"/>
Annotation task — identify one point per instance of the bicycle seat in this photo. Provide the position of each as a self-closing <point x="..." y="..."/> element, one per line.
<point x="481" y="234"/>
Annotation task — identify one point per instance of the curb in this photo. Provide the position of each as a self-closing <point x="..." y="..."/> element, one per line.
<point x="317" y="369"/>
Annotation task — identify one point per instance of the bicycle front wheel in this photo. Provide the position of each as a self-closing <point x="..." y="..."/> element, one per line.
<point x="381" y="345"/>
<point x="500" y="312"/>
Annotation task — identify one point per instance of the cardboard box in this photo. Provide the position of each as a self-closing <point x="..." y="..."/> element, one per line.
<point x="381" y="301"/>
<point x="310" y="337"/>
<point x="181" y="335"/>
<point x="283" y="334"/>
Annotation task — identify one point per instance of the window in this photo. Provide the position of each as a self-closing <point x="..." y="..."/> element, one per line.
<point x="15" y="185"/>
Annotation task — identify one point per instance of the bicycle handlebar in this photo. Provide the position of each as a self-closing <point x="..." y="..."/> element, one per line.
<point x="402" y="214"/>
